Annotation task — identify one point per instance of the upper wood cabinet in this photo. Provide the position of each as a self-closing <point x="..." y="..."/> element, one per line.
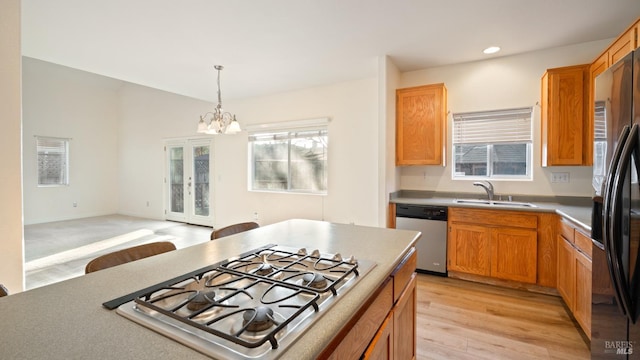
<point x="623" y="45"/>
<point x="421" y="123"/>
<point x="564" y="116"/>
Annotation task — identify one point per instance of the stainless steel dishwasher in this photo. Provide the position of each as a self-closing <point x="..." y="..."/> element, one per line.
<point x="431" y="221"/>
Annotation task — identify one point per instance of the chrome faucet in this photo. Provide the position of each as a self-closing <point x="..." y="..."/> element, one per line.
<point x="487" y="186"/>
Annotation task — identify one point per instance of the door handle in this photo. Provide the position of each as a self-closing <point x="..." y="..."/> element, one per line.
<point x="628" y="150"/>
<point x="609" y="232"/>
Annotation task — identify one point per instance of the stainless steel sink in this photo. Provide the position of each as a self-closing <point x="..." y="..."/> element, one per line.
<point x="494" y="202"/>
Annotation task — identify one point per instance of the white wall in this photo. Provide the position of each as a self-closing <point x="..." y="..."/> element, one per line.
<point x="62" y="102"/>
<point x="501" y="83"/>
<point x="388" y="78"/>
<point x="11" y="242"/>
<point x="149" y="116"/>
<point x="353" y="157"/>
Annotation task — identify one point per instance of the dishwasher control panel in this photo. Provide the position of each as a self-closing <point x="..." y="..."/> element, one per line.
<point x="421" y="212"/>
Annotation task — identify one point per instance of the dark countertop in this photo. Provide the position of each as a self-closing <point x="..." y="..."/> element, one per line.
<point x="576" y="209"/>
<point x="67" y="321"/>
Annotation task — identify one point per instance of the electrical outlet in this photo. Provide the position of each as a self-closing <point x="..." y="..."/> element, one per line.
<point x="75" y="204"/>
<point x="559" y="177"/>
<point x="255" y="216"/>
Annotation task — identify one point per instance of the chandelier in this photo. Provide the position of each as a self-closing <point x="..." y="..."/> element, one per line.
<point x="219" y="122"/>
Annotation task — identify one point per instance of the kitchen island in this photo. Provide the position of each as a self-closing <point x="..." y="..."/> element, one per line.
<point x="67" y="320"/>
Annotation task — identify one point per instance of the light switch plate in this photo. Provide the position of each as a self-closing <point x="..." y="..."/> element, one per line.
<point x="559" y="177"/>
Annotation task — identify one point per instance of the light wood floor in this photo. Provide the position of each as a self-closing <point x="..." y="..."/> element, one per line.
<point x="458" y="319"/>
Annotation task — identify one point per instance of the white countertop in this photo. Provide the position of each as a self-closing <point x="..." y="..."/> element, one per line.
<point x="67" y="321"/>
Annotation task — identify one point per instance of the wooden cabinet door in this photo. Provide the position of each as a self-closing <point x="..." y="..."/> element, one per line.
<point x="599" y="65"/>
<point x="514" y="254"/>
<point x="421" y="119"/>
<point x="404" y="323"/>
<point x="468" y="249"/>
<point x="582" y="302"/>
<point x="622" y="46"/>
<point x="566" y="271"/>
<point x="381" y="347"/>
<point x="564" y="115"/>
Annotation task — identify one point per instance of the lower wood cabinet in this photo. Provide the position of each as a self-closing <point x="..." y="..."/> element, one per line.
<point x="381" y="347"/>
<point x="404" y="323"/>
<point x="396" y="338"/>
<point x="514" y="254"/>
<point x="386" y="327"/>
<point x="566" y="275"/>
<point x="574" y="274"/>
<point x="469" y="249"/>
<point x="582" y="305"/>
<point x="495" y="243"/>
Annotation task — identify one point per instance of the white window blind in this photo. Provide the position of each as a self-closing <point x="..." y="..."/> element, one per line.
<point x="286" y="135"/>
<point x="498" y="126"/>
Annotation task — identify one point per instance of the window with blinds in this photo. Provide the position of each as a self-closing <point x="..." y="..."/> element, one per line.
<point x="53" y="161"/>
<point x="493" y="144"/>
<point x="289" y="160"/>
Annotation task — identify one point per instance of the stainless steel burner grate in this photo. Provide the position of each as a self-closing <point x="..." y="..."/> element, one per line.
<point x="246" y="307"/>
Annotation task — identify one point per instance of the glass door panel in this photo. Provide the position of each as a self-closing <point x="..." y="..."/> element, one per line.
<point x="187" y="185"/>
<point x="200" y="177"/>
<point x="176" y="176"/>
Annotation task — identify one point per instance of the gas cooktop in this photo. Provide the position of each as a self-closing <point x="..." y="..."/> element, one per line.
<point x="251" y="306"/>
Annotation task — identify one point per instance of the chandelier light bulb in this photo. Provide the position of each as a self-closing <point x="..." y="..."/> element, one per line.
<point x="220" y="122"/>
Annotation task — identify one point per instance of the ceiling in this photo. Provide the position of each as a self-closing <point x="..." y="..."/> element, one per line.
<point x="271" y="46"/>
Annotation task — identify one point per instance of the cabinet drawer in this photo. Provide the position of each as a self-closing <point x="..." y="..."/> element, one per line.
<point x="566" y="230"/>
<point x="583" y="242"/>
<point x="402" y="274"/>
<point x="494" y="217"/>
<point x="355" y="342"/>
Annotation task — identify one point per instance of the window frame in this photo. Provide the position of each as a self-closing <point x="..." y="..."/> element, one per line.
<point x="65" y="144"/>
<point x="517" y="137"/>
<point x="288" y="134"/>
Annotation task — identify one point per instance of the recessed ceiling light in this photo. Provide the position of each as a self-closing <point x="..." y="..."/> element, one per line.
<point x="491" y="50"/>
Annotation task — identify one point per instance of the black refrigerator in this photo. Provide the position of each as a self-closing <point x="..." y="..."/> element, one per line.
<point x="615" y="329"/>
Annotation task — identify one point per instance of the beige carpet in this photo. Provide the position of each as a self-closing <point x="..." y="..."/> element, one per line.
<point x="60" y="250"/>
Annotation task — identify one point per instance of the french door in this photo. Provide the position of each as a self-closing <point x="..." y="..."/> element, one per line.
<point x="187" y="188"/>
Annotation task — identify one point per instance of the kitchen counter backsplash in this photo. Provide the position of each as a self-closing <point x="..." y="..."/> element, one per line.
<point x="575" y="208"/>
